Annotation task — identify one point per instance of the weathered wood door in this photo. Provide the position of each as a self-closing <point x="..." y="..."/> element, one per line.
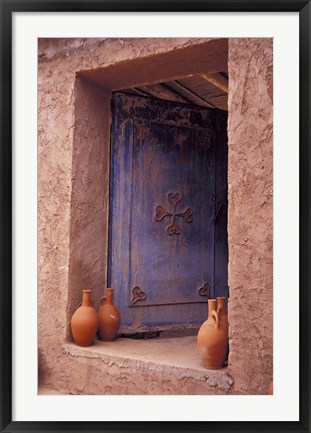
<point x="168" y="212"/>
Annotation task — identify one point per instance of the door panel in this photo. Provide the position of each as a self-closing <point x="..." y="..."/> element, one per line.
<point x="162" y="209"/>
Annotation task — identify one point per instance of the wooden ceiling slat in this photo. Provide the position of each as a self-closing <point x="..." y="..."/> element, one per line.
<point x="190" y="95"/>
<point x="202" y="87"/>
<point x="162" y="92"/>
<point x="210" y="95"/>
<point x="217" y="80"/>
<point x="139" y="92"/>
<point x="221" y="102"/>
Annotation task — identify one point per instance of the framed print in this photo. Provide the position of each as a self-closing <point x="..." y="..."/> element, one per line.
<point x="155" y="216"/>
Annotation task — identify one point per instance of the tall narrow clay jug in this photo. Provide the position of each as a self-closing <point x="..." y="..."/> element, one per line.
<point x="109" y="317"/>
<point x="84" y="322"/>
<point x="212" y="339"/>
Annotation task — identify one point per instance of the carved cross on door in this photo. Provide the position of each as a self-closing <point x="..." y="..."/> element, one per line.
<point x="161" y="213"/>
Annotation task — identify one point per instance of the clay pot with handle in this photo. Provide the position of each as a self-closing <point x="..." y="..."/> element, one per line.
<point x="212" y="339"/>
<point x="84" y="322"/>
<point x="109" y="317"/>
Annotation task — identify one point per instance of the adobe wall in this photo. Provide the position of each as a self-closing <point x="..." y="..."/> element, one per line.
<point x="250" y="201"/>
<point x="72" y="209"/>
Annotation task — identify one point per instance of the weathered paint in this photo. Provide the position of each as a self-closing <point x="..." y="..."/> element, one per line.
<point x="164" y="211"/>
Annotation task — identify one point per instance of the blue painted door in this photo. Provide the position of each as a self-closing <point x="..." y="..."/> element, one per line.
<point x="168" y="212"/>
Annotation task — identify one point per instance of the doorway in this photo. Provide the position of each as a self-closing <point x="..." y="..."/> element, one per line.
<point x="168" y="247"/>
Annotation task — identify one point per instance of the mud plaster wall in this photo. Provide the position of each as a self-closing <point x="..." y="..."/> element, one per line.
<point x="250" y="213"/>
<point x="88" y="247"/>
<point x="63" y="225"/>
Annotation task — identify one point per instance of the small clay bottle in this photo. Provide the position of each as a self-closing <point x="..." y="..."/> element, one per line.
<point x="212" y="339"/>
<point x="109" y="317"/>
<point x="84" y="322"/>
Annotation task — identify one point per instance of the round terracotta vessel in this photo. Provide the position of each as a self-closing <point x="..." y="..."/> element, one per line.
<point x="109" y="317"/>
<point x="84" y="322"/>
<point x="213" y="339"/>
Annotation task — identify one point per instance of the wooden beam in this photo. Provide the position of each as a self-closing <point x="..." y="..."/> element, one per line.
<point x="217" y="80"/>
<point x="139" y="91"/>
<point x="162" y="92"/>
<point x="193" y="96"/>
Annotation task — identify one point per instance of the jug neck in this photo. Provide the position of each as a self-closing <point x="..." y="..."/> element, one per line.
<point x="86" y="298"/>
<point x="212" y="306"/>
<point x="109" y="296"/>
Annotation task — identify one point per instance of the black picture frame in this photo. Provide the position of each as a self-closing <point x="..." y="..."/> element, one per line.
<point x="7" y="9"/>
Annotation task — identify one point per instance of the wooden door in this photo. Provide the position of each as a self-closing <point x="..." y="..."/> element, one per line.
<point x="168" y="212"/>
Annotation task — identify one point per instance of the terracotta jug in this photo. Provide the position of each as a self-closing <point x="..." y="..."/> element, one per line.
<point x="109" y="317"/>
<point x="84" y="322"/>
<point x="213" y="339"/>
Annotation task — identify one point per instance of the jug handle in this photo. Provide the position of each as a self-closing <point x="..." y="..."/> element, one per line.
<point x="103" y="298"/>
<point x="215" y="315"/>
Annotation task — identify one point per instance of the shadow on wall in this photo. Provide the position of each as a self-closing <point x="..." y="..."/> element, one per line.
<point x="43" y="368"/>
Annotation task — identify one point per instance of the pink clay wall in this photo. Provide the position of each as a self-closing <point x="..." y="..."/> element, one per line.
<point x="72" y="207"/>
<point x="250" y="213"/>
<point x="88" y="244"/>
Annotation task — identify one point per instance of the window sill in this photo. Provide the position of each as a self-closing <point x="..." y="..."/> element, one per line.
<point x="176" y="356"/>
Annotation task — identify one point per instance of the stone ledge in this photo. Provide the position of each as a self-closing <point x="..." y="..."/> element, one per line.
<point x="177" y="356"/>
